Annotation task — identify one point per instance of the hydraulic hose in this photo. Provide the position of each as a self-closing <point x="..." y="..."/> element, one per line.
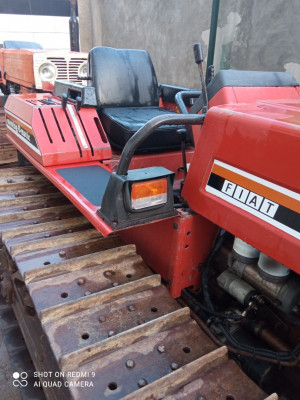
<point x="235" y="317"/>
<point x="235" y="350"/>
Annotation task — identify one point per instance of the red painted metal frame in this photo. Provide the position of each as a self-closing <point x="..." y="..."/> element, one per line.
<point x="86" y="208"/>
<point x="175" y="248"/>
<point x="263" y="139"/>
<point x="56" y="142"/>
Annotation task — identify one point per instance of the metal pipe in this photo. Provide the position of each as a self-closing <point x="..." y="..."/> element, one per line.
<point x="148" y="128"/>
<point x="212" y="36"/>
<point x="185" y="94"/>
<point x="73" y="27"/>
<point x="260" y="329"/>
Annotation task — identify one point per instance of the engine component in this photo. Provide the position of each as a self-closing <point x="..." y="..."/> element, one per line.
<point x="272" y="270"/>
<point x="235" y="286"/>
<point x="244" y="252"/>
<point x="260" y="329"/>
<point x="260" y="371"/>
<point x="287" y="293"/>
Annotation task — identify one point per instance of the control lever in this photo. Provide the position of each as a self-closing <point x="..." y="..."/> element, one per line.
<point x="199" y="61"/>
<point x="78" y="103"/>
<point x="182" y="133"/>
<point x="64" y="100"/>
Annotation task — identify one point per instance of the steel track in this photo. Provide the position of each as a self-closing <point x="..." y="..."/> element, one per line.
<point x="91" y="311"/>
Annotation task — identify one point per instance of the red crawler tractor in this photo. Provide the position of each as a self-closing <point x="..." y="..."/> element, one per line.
<point x="208" y="195"/>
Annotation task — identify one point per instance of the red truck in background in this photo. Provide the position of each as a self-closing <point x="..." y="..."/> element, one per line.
<point x="26" y="66"/>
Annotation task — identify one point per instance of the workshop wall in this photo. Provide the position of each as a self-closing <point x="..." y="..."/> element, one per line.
<point x="253" y="35"/>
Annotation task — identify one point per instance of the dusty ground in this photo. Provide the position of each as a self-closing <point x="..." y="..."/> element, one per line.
<point x="8" y="391"/>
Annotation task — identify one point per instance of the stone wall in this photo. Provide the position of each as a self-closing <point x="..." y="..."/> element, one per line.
<point x="252" y="34"/>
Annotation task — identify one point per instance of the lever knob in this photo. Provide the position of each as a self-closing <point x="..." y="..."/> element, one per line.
<point x="198" y="54"/>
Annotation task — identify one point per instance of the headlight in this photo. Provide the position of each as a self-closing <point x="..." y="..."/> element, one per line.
<point x="47" y="72"/>
<point x="83" y="70"/>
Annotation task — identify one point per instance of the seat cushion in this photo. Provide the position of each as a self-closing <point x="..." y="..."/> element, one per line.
<point x="123" y="122"/>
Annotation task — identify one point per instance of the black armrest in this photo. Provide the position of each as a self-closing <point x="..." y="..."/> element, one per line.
<point x="168" y="93"/>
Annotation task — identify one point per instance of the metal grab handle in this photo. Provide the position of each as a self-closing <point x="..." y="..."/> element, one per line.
<point x="185" y="94"/>
<point x="146" y="130"/>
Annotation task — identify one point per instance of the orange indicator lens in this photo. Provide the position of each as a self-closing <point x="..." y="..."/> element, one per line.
<point x="149" y="193"/>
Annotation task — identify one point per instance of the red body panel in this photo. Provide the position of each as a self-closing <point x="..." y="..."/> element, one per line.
<point x="88" y="209"/>
<point x="175" y="248"/>
<point x="262" y="139"/>
<point x="61" y="136"/>
<point x="228" y="95"/>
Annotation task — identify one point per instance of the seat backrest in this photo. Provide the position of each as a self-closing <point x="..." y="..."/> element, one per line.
<point x="123" y="78"/>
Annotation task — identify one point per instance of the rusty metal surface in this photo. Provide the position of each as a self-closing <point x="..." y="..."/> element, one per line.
<point x="224" y="382"/>
<point x="8" y="152"/>
<point x="45" y="201"/>
<point x="152" y="358"/>
<point x="105" y="320"/>
<point x="56" y="255"/>
<point x="42" y="231"/>
<point x="37" y="188"/>
<point x="90" y="307"/>
<point x="37" y="216"/>
<point x="52" y="291"/>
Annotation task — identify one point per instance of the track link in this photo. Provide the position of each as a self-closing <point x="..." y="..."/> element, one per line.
<point x="8" y="153"/>
<point x="92" y="312"/>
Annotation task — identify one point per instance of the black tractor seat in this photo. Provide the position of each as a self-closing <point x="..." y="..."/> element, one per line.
<point x="127" y="97"/>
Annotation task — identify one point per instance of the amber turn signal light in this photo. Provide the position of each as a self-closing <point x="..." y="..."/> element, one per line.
<point x="149" y="193"/>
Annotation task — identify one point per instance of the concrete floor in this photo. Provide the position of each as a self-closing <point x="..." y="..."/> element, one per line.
<point x="8" y="391"/>
<point x="14" y="356"/>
